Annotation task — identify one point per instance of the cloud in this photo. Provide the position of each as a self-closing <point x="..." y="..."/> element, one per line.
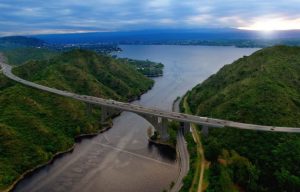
<point x="272" y="23"/>
<point x="198" y="20"/>
<point x="110" y="15"/>
<point x="158" y="3"/>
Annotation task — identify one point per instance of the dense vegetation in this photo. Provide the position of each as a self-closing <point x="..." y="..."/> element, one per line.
<point x="190" y="181"/>
<point x="263" y="88"/>
<point x="18" y="56"/>
<point x="173" y="128"/>
<point x="84" y="72"/>
<point x="192" y="149"/>
<point x="18" y="49"/>
<point x="148" y="68"/>
<point x="242" y="42"/>
<point x="35" y="125"/>
<point x="11" y="41"/>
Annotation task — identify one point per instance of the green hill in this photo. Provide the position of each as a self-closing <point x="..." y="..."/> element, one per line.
<point x="263" y="88"/>
<point x="19" y="49"/>
<point x="84" y="72"/>
<point x="21" y="41"/>
<point x="20" y="55"/>
<point x="35" y="125"/>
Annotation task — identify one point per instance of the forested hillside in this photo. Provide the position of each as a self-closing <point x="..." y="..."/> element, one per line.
<point x="263" y="88"/>
<point x="35" y="125"/>
<point x="84" y="72"/>
<point x="19" y="49"/>
<point x="11" y="41"/>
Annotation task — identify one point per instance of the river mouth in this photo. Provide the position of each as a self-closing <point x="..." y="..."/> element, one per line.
<point x="121" y="159"/>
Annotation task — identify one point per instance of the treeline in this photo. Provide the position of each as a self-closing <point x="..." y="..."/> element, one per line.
<point x="83" y="71"/>
<point x="146" y="67"/>
<point x="192" y="149"/>
<point x="35" y="125"/>
<point x="263" y="88"/>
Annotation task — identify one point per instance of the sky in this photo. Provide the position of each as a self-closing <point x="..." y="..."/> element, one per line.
<point x="75" y="16"/>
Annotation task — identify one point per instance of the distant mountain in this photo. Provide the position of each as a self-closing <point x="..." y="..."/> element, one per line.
<point x="263" y="88"/>
<point x="19" y="49"/>
<point x="35" y="125"/>
<point x="164" y="36"/>
<point x="22" y="41"/>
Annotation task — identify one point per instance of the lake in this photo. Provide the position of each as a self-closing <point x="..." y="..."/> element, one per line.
<point x="121" y="159"/>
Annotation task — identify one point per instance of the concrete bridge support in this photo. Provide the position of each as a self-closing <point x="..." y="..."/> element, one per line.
<point x="163" y="128"/>
<point x="88" y="108"/>
<point x="204" y="130"/>
<point x="160" y="124"/>
<point x="186" y="127"/>
<point x="107" y="112"/>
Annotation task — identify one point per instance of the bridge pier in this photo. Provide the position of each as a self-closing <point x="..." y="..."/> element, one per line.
<point x="205" y="130"/>
<point x="107" y="112"/>
<point x="186" y="127"/>
<point x="88" y="108"/>
<point x="163" y="129"/>
<point x="160" y="124"/>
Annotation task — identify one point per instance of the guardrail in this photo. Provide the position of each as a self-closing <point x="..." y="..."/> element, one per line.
<point x="211" y="122"/>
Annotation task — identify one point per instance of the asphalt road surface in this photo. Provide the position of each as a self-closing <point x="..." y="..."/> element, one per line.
<point x="183" y="154"/>
<point x="210" y="122"/>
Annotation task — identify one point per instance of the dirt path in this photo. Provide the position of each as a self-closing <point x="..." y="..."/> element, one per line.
<point x="200" y="151"/>
<point x="202" y="167"/>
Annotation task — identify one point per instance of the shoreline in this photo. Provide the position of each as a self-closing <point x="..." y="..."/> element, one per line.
<point x="178" y="183"/>
<point x="161" y="143"/>
<point x="182" y="152"/>
<point x="158" y="142"/>
<point x="77" y="139"/>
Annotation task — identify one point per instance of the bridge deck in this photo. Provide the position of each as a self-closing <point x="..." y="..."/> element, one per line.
<point x="211" y="122"/>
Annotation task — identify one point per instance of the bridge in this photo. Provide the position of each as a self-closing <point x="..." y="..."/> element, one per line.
<point x="158" y="118"/>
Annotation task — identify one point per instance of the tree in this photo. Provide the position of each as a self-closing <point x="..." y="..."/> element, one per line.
<point x="244" y="172"/>
<point x="212" y="150"/>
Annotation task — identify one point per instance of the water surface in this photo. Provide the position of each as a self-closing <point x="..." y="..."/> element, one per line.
<point x="121" y="159"/>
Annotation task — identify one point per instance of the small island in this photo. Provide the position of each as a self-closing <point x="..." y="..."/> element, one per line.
<point x="146" y="67"/>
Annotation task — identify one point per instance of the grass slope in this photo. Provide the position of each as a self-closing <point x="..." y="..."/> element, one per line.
<point x="20" y="55"/>
<point x="84" y="72"/>
<point x="19" y="49"/>
<point x="263" y="88"/>
<point x="35" y="125"/>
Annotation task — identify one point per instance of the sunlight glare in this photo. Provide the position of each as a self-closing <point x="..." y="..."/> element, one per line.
<point x="269" y="25"/>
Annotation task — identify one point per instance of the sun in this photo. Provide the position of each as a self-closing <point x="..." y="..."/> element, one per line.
<point x="274" y="24"/>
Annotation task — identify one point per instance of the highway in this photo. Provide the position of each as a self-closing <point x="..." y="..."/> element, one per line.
<point x="183" y="154"/>
<point x="210" y="122"/>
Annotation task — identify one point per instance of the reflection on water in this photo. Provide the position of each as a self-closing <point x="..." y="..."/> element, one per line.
<point x="122" y="159"/>
<point x="164" y="151"/>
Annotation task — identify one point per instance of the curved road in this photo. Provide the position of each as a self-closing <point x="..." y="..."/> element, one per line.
<point x="210" y="122"/>
<point x="183" y="154"/>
